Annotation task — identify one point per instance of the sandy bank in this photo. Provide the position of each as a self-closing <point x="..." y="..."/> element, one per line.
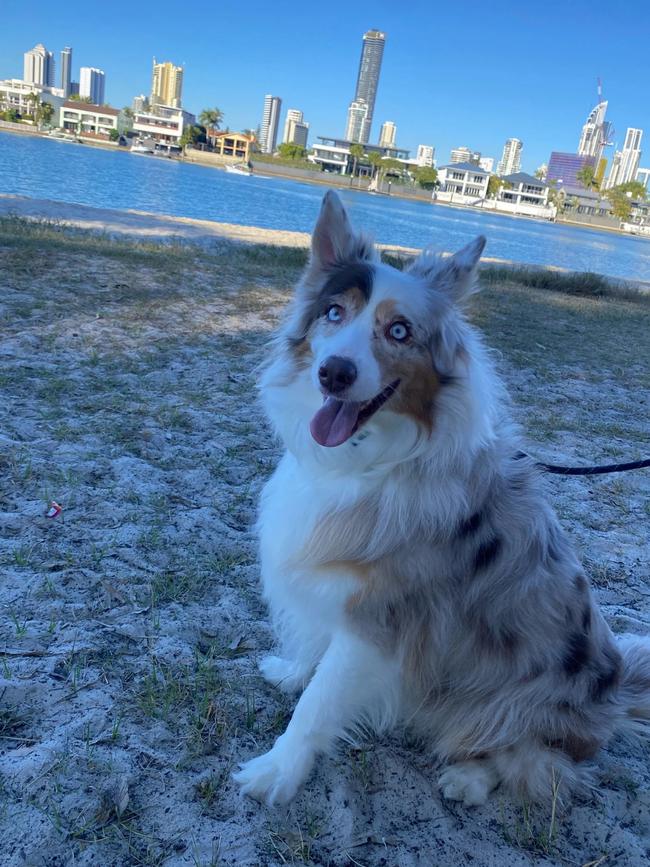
<point x="147" y="226"/>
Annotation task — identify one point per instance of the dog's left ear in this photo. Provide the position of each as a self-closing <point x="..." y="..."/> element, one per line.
<point x="454" y="275"/>
<point x="334" y="239"/>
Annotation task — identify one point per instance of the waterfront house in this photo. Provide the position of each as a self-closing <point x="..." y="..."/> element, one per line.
<point x="231" y="145"/>
<point x="88" y="120"/>
<point x="18" y="95"/>
<point x="163" y="123"/>
<point x="521" y="188"/>
<point x="333" y="155"/>
<point x="465" y="183"/>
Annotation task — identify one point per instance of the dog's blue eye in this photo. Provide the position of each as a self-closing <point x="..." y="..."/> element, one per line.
<point x="334" y="313"/>
<point x="399" y="331"/>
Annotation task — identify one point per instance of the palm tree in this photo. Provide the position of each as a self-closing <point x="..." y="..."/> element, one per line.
<point x="33" y="98"/>
<point x="356" y="152"/>
<point x="44" y="113"/>
<point x="587" y="177"/>
<point x="375" y="161"/>
<point x="211" y="118"/>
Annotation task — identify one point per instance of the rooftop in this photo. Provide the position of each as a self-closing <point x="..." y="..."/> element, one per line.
<point x="91" y="107"/>
<point x="524" y="178"/>
<point x="466" y="167"/>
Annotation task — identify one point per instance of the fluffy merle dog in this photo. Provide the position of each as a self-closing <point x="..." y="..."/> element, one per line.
<point x="414" y="569"/>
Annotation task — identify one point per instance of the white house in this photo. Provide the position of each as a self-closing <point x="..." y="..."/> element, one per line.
<point x="88" y="120"/>
<point x="464" y="183"/>
<point x="162" y="123"/>
<point x="16" y="94"/>
<point x="524" y="189"/>
<point x="332" y="158"/>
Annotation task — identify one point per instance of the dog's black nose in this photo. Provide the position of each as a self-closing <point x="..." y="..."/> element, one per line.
<point x="336" y="374"/>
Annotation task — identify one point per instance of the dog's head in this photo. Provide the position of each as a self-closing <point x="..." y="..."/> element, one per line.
<point x="368" y="347"/>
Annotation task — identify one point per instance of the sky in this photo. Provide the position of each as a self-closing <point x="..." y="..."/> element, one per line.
<point x="469" y="74"/>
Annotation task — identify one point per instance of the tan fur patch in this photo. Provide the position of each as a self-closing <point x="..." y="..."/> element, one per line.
<point x="580" y="749"/>
<point x="301" y="352"/>
<point x="340" y="537"/>
<point x="411" y="364"/>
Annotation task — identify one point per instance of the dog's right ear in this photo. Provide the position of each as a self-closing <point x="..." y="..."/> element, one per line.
<point x="334" y="239"/>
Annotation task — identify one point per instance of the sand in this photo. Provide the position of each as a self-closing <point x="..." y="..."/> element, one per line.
<point x="132" y="622"/>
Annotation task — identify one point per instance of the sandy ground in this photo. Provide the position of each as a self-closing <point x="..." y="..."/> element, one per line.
<point x="145" y="226"/>
<point x="131" y="624"/>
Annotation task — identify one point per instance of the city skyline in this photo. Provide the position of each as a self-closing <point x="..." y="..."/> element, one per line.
<point x="435" y="100"/>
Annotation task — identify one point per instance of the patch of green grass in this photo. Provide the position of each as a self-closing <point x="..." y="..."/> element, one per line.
<point x="535" y="828"/>
<point x="569" y="282"/>
<point x="294" y="844"/>
<point x="179" y="693"/>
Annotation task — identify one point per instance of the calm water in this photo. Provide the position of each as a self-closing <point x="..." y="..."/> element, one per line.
<point x="49" y="169"/>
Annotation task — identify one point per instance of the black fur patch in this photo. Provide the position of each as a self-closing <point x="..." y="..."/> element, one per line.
<point x="471" y="525"/>
<point x="577" y="655"/>
<point x="340" y="278"/>
<point x="354" y="275"/>
<point x="586" y="618"/>
<point x="608" y="676"/>
<point x="581" y="583"/>
<point x="496" y="640"/>
<point x="487" y="553"/>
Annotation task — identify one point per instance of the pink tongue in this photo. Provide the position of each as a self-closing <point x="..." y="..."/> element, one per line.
<point x="334" y="422"/>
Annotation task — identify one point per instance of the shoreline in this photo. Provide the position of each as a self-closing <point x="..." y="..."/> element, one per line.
<point x="145" y="226"/>
<point x="328" y="181"/>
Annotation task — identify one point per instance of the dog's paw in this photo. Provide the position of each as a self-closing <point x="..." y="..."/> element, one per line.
<point x="283" y="673"/>
<point x="276" y="776"/>
<point x="469" y="782"/>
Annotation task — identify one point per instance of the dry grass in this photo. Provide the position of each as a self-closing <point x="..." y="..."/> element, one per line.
<point x="132" y="622"/>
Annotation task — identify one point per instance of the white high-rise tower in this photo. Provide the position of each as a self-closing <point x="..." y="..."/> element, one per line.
<point x="270" y="123"/>
<point x="92" y="84"/>
<point x="595" y="133"/>
<point x="388" y="134"/>
<point x="510" y="161"/>
<point x="626" y="162"/>
<point x="38" y="66"/>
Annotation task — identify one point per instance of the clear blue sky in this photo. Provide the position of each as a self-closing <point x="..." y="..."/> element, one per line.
<point x="469" y="74"/>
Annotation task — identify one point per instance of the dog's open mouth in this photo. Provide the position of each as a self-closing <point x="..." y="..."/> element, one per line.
<point x="337" y="420"/>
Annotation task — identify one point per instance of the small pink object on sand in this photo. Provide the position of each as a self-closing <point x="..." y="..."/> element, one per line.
<point x="54" y="510"/>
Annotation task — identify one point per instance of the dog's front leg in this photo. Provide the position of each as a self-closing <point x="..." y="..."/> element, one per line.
<point x="353" y="683"/>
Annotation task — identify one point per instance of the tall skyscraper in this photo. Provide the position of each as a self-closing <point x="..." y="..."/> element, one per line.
<point x="387" y="134"/>
<point x="372" y="52"/>
<point x="626" y="162"/>
<point x="38" y="66"/>
<point x="166" y="84"/>
<point x="92" y="84"/>
<point x="270" y="123"/>
<point x="296" y="130"/>
<point x="140" y="103"/>
<point x="66" y="71"/>
<point x="357" y="116"/>
<point x="464" y="155"/>
<point x="595" y="133"/>
<point x="510" y="161"/>
<point x="425" y="155"/>
<point x="643" y="177"/>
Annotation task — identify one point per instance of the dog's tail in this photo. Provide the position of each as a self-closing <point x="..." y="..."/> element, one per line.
<point x="634" y="689"/>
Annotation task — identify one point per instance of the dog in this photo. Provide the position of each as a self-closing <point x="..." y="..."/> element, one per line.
<point x="415" y="572"/>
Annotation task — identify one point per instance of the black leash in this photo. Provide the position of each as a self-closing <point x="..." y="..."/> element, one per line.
<point x="590" y="471"/>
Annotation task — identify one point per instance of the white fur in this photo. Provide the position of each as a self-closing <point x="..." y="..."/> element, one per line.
<point x="532" y="688"/>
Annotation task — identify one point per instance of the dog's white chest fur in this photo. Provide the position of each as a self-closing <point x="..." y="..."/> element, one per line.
<point x="295" y="501"/>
